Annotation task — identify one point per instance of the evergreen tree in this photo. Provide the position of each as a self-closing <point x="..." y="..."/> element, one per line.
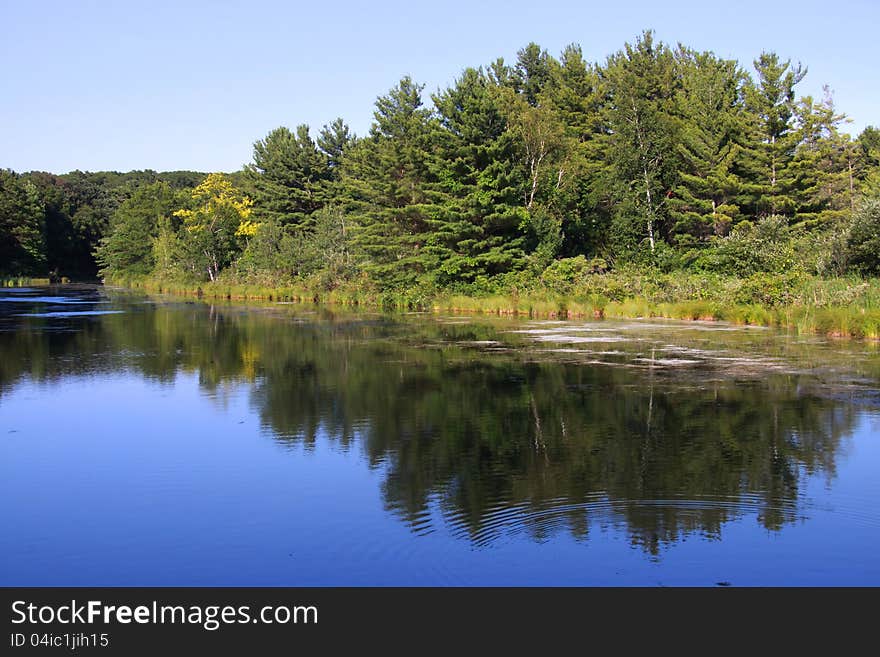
<point x="502" y="75"/>
<point x="476" y="231"/>
<point x="868" y="161"/>
<point x="288" y="177"/>
<point x="711" y="122"/>
<point x="531" y="73"/>
<point x="387" y="180"/>
<point x="333" y="140"/>
<point x="642" y="86"/>
<point x="576" y="93"/>
<point x="863" y="241"/>
<point x="824" y="163"/>
<point x="771" y="140"/>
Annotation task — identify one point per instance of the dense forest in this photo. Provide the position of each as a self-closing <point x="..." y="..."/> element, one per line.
<point x="542" y="173"/>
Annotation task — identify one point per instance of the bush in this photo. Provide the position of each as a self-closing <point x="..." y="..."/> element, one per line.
<point x="753" y="248"/>
<point x="562" y="274"/>
<point x="769" y="289"/>
<point x="863" y="243"/>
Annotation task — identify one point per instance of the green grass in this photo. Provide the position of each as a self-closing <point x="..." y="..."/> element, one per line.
<point x="836" y="307"/>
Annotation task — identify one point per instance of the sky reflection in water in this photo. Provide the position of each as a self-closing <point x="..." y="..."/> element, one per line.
<point x="175" y="443"/>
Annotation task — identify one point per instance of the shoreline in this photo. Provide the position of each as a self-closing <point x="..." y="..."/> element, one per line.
<point x="828" y="321"/>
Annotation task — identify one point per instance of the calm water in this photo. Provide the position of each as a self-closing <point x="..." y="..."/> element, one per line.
<point x="150" y="441"/>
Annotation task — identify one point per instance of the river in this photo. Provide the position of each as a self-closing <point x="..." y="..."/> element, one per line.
<point x="161" y="441"/>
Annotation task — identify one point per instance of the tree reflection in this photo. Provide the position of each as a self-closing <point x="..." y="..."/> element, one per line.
<point x="498" y="442"/>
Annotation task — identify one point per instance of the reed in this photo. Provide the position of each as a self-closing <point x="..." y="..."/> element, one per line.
<point x="839" y="308"/>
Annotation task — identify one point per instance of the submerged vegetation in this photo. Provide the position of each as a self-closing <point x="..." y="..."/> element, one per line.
<point x="662" y="182"/>
<point x="745" y="421"/>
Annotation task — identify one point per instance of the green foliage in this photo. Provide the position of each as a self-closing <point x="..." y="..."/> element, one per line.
<point x="477" y="230"/>
<point x="643" y="84"/>
<point x="323" y="255"/>
<point x="75" y="213"/>
<point x="22" y="229"/>
<point x="387" y="184"/>
<point x="333" y="140"/>
<point x="868" y="160"/>
<point x="552" y="175"/>
<point x="270" y="253"/>
<point x="531" y="73"/>
<point x="563" y="274"/>
<point x="825" y="163"/>
<point x="768" y="289"/>
<point x="771" y="140"/>
<point x="128" y="248"/>
<point x="167" y="254"/>
<point x="289" y="176"/>
<point x="711" y="118"/>
<point x="754" y="248"/>
<point x="863" y="242"/>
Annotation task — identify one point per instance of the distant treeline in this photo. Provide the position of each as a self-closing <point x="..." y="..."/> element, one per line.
<point x="660" y="158"/>
<point x="54" y="223"/>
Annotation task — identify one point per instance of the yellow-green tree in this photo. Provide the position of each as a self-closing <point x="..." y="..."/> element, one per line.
<point x="216" y="226"/>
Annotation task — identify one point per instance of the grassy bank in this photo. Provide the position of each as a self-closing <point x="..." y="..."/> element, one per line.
<point x="830" y="321"/>
<point x="832" y="307"/>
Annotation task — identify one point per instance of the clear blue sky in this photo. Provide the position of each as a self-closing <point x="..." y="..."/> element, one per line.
<point x="162" y="85"/>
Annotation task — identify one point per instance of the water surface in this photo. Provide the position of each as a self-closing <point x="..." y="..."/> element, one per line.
<point x="155" y="441"/>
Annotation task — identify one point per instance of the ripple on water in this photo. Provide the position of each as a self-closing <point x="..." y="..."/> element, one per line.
<point x="66" y="301"/>
<point x="503" y="520"/>
<point x="72" y="313"/>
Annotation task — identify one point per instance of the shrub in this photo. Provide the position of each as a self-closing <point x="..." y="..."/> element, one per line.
<point x="752" y="248"/>
<point x="863" y="243"/>
<point x="768" y="289"/>
<point x="562" y="274"/>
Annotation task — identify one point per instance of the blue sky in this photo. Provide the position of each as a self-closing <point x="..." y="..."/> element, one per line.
<point x="97" y="85"/>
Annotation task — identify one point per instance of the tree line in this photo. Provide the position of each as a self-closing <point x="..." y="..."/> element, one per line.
<point x="53" y="224"/>
<point x="660" y="157"/>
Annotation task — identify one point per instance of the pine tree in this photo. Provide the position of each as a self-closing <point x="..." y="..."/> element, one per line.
<point x="824" y="163"/>
<point x="288" y="177"/>
<point x="476" y="230"/>
<point x="640" y="114"/>
<point x="333" y="140"/>
<point x="387" y="180"/>
<point x="771" y="140"/>
<point x="576" y="94"/>
<point x="531" y="73"/>
<point x="711" y="123"/>
<point x="868" y="161"/>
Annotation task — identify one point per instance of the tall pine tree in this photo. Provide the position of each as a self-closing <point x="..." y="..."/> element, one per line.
<point x="711" y="123"/>
<point x="576" y="93"/>
<point x="477" y="230"/>
<point x="387" y="180"/>
<point x="824" y="163"/>
<point x="771" y="140"/>
<point x="288" y="177"/>
<point x="642" y="87"/>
